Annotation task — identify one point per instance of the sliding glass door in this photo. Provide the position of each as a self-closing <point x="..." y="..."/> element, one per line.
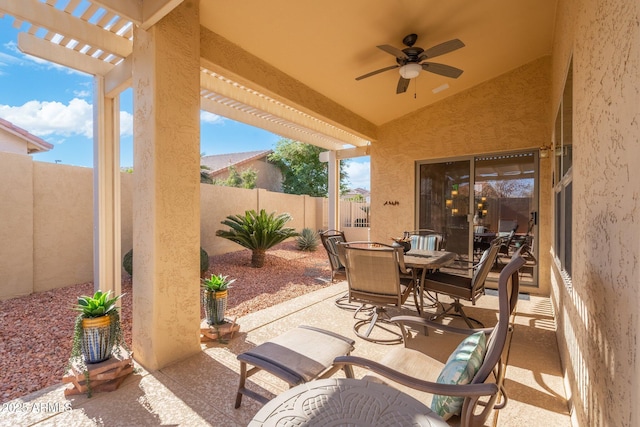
<point x="444" y="202"/>
<point x="473" y="200"/>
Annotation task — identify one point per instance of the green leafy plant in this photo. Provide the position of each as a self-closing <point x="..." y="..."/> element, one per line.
<point x="257" y="232"/>
<point x="217" y="282"/>
<point x="89" y="307"/>
<point x="127" y="262"/>
<point x="97" y="305"/>
<point x="307" y="240"/>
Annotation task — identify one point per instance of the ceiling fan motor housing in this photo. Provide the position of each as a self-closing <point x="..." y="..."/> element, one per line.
<point x="413" y="55"/>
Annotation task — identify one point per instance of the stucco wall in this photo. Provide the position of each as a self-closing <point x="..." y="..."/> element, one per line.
<point x="46" y="227"/>
<point x="62" y="225"/>
<point x="16" y="219"/>
<point x="507" y="113"/>
<point x="597" y="316"/>
<point x="10" y="143"/>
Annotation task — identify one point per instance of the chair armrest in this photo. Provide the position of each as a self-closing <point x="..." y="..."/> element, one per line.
<point x="421" y="321"/>
<point x="484" y="389"/>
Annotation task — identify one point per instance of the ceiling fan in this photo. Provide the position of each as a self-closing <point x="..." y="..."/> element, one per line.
<point x="411" y="60"/>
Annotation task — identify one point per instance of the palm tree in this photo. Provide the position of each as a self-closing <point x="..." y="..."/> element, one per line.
<point x="257" y="232"/>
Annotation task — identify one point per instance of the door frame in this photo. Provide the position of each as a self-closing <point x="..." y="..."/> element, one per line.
<point x="472" y="179"/>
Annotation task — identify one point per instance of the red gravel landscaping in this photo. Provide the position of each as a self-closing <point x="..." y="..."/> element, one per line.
<point x="36" y="330"/>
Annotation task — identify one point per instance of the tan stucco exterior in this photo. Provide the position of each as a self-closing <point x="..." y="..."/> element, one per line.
<point x="46" y="237"/>
<point x="596" y="312"/>
<point x="16" y="226"/>
<point x="62" y="229"/>
<point x="11" y="144"/>
<point x="509" y="113"/>
<point x="597" y="315"/>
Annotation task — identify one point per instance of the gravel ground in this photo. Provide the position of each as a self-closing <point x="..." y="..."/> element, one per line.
<point x="34" y="350"/>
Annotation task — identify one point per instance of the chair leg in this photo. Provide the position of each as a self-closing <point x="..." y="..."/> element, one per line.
<point x="343" y="303"/>
<point x="243" y="378"/>
<point x="458" y="312"/>
<point x="378" y="319"/>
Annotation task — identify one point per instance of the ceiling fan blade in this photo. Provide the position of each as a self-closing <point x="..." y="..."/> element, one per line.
<point x="403" y="84"/>
<point x="443" y="70"/>
<point x="373" y="73"/>
<point x="441" y="49"/>
<point x="393" y="51"/>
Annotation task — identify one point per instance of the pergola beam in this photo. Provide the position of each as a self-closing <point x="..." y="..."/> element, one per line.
<point x="144" y="13"/>
<point x="247" y="97"/>
<point x="119" y="78"/>
<point x="260" y="122"/>
<point x="155" y="10"/>
<point x="56" y="21"/>
<point x="57" y="54"/>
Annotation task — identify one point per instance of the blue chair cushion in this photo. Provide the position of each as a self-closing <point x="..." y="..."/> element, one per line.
<point x="461" y="367"/>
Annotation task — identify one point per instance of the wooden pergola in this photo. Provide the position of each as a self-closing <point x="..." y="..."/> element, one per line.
<point x="122" y="43"/>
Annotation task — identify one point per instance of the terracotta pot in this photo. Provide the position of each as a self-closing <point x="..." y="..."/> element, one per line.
<point x="96" y="339"/>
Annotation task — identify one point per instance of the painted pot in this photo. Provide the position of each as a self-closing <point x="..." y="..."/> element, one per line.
<point x="215" y="304"/>
<point x="96" y="339"/>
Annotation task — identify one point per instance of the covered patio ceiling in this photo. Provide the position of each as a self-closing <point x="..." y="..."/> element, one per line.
<point x="320" y="46"/>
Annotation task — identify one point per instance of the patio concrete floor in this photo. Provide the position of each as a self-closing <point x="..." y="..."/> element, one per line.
<point x="200" y="391"/>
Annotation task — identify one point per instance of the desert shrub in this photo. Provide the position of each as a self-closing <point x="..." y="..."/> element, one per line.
<point x="127" y="262"/>
<point x="307" y="240"/>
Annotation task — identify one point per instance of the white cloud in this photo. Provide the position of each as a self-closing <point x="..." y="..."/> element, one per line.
<point x="126" y="123"/>
<point x="82" y="93"/>
<point x="6" y="59"/>
<point x="359" y="174"/>
<point x="46" y="118"/>
<point x="208" y="117"/>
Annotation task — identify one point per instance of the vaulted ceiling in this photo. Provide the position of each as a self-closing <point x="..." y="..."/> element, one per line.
<point x="327" y="44"/>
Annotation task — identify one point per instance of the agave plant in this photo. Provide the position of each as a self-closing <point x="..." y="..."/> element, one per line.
<point x="258" y="232"/>
<point x="307" y="240"/>
<point x="97" y="305"/>
<point x="217" y="282"/>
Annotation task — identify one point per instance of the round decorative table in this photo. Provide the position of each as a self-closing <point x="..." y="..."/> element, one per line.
<point x="345" y="401"/>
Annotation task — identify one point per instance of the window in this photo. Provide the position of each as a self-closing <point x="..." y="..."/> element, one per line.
<point x="563" y="181"/>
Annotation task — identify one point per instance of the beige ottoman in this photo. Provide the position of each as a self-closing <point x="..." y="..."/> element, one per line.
<point x="297" y="356"/>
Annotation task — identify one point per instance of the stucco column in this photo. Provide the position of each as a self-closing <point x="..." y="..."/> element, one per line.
<point x="106" y="190"/>
<point x="166" y="195"/>
<point x="334" y="191"/>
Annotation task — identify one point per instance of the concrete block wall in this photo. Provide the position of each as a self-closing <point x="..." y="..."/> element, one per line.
<point x="46" y="221"/>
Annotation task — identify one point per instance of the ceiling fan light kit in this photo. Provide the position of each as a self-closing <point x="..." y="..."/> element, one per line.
<point x="410" y="71"/>
<point x="412" y="60"/>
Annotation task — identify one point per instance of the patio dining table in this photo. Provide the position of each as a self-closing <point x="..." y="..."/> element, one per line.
<point x="345" y="401"/>
<point x="426" y="260"/>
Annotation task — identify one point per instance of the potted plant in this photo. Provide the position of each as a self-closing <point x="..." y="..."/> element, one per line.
<point x="97" y="329"/>
<point x="214" y="297"/>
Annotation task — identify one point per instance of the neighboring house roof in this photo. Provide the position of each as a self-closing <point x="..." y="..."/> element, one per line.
<point x="34" y="143"/>
<point x="219" y="162"/>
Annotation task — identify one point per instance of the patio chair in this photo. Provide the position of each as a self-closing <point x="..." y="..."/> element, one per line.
<point x="425" y="239"/>
<point x="330" y="240"/>
<point x="507" y="229"/>
<point x="377" y="276"/>
<point x="460" y="287"/>
<point x="471" y="382"/>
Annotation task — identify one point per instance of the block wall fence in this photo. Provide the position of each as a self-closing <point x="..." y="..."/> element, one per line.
<point x="46" y="221"/>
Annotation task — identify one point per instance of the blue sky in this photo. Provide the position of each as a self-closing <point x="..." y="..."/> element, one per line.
<point x="55" y="103"/>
